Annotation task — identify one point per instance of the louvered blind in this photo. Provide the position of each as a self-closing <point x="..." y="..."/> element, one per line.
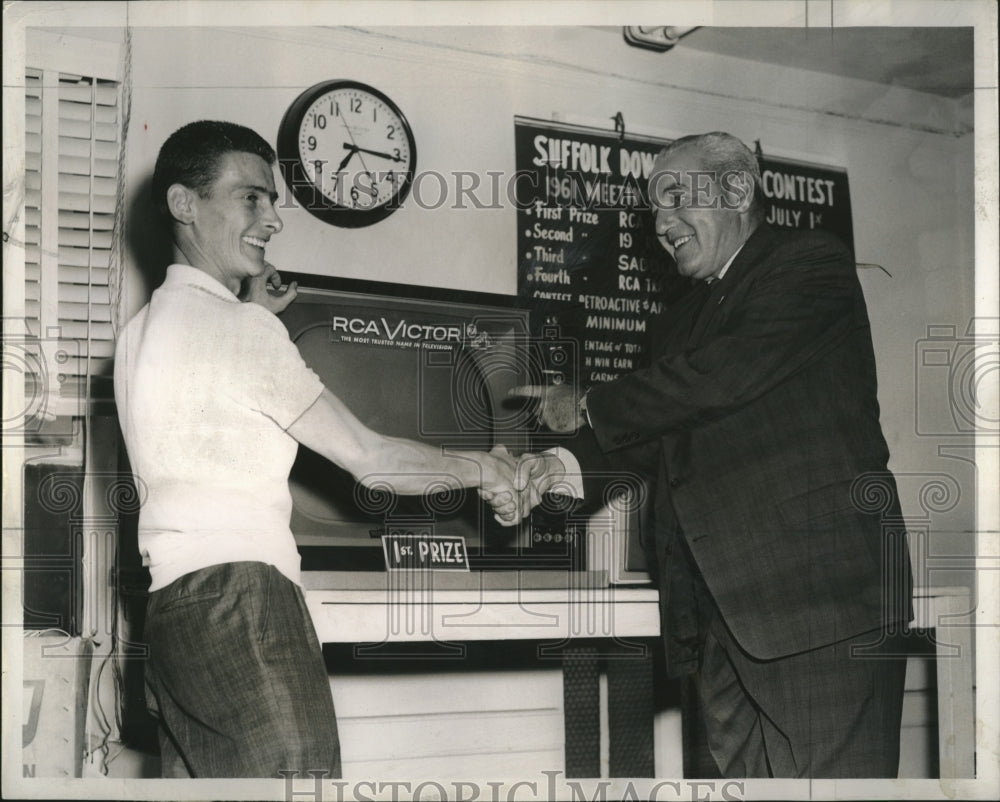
<point x="71" y="166"/>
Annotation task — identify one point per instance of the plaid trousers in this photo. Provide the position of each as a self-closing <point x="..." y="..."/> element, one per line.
<point x="236" y="676"/>
<point x="829" y="712"/>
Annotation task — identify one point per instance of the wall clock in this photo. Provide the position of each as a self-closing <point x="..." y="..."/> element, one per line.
<point x="347" y="153"/>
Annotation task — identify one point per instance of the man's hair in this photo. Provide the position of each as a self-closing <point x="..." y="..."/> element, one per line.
<point x="191" y="156"/>
<point x="722" y="153"/>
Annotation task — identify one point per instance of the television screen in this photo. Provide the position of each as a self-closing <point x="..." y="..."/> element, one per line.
<point x="426" y="364"/>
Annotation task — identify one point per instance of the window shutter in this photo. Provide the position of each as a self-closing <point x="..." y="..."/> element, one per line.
<point x="71" y="170"/>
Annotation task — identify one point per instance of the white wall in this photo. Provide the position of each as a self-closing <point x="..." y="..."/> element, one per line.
<point x="911" y="178"/>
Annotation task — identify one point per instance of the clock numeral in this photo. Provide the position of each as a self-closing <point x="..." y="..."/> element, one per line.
<point x="335" y="192"/>
<point x="319" y="121"/>
<point x="355" y="105"/>
<point x="390" y="133"/>
<point x="311" y="142"/>
<point x="364" y="196"/>
<point x="334" y="108"/>
<point x="374" y="114"/>
<point x="395" y="152"/>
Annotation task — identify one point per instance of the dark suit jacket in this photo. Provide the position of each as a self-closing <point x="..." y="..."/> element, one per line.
<point x="760" y="411"/>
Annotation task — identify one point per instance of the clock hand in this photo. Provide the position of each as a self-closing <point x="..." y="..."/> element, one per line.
<point x="353" y="145"/>
<point x="352" y="150"/>
<point x="376" y="153"/>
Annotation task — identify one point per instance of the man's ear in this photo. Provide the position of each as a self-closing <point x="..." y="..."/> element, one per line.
<point x="180" y="202"/>
<point x="739" y="191"/>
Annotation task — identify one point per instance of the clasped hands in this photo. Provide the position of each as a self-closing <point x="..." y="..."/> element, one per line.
<point x="513" y="487"/>
<point x="516" y="486"/>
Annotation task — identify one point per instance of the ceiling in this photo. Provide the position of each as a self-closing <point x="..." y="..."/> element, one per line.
<point x="934" y="60"/>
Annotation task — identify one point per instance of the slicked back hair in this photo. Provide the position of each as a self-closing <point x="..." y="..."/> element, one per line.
<point x="192" y="154"/>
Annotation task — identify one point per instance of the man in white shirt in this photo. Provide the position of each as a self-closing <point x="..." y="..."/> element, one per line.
<point x="214" y="399"/>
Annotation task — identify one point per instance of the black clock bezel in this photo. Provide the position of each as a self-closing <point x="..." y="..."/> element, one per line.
<point x="305" y="191"/>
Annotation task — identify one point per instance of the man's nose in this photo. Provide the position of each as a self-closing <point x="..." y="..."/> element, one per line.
<point x="271" y="219"/>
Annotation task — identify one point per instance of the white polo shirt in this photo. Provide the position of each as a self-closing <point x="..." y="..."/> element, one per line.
<point x="206" y="387"/>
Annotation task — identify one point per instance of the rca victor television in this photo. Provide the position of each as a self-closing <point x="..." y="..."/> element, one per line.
<point x="429" y="364"/>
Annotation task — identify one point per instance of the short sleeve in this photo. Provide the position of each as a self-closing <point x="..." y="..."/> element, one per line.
<point x="278" y="383"/>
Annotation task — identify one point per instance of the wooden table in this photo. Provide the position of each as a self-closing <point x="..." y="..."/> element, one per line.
<point x="592" y="623"/>
<point x="585" y="627"/>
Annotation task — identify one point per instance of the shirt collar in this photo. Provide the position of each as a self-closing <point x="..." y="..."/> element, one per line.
<point x="725" y="267"/>
<point x="181" y="275"/>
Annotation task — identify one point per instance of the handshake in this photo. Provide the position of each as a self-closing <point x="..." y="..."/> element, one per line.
<point x="513" y="487"/>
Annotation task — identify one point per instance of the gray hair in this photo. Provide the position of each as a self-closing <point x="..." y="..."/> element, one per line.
<point x="723" y="153"/>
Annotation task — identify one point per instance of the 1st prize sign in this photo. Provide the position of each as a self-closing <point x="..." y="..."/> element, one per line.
<point x="422" y="551"/>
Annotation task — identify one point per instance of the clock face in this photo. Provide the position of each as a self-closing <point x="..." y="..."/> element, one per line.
<point x="347" y="153"/>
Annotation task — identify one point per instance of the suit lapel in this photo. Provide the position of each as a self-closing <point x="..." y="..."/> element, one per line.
<point x="715" y="296"/>
<point x="670" y="332"/>
<point x="725" y="289"/>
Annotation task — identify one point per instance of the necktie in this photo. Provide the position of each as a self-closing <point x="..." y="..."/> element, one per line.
<point x="700" y="307"/>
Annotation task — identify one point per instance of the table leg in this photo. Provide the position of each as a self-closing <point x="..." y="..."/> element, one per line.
<point x="956" y="705"/>
<point x="581" y="709"/>
<point x="630" y="715"/>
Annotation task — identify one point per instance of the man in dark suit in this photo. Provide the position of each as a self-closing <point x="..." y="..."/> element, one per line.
<point x="779" y="548"/>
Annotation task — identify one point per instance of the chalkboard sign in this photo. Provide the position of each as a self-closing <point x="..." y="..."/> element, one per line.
<point x="589" y="265"/>
<point x="802" y="195"/>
